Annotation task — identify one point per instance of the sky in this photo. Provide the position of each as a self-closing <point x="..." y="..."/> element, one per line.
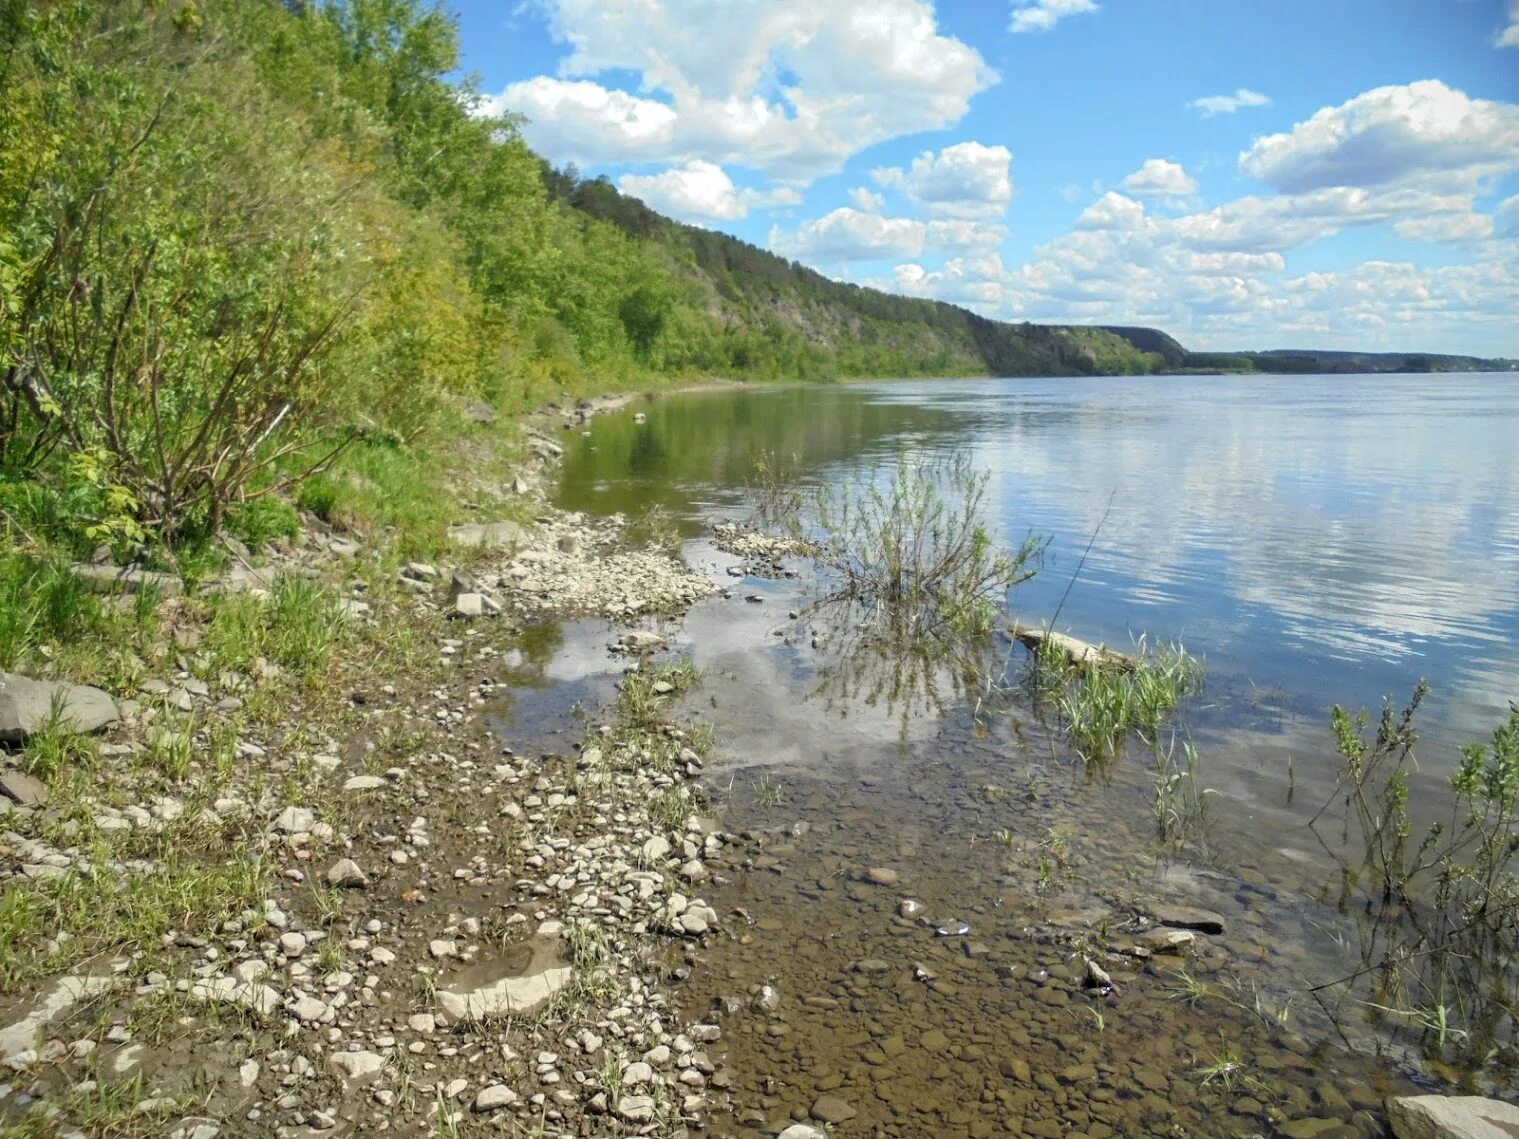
<point x="1244" y="174"/>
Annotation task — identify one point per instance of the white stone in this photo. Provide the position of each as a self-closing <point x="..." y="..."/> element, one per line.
<point x="1452" y="1117"/>
<point x="295" y="820"/>
<point x="357" y="1067"/>
<point x="494" y="1098"/>
<point x="636" y="1108"/>
<point x="59" y="998"/>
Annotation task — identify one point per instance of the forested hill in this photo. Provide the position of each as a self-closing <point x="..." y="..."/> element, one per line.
<point x="783" y="318"/>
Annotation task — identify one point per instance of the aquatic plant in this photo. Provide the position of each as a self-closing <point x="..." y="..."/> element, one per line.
<point x="1180" y="805"/>
<point x="1101" y="707"/>
<point x="1438" y="911"/>
<point x="914" y="549"/>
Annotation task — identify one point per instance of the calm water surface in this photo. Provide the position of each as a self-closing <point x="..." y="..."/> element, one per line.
<point x="1317" y="539"/>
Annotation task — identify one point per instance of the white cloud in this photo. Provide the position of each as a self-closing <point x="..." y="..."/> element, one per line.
<point x="589" y="119"/>
<point x="1112" y="211"/>
<point x="789" y="87"/>
<point x="1446" y="228"/>
<point x="702" y="191"/>
<point x="1042" y="15"/>
<point x="1506" y="218"/>
<point x="1158" y="178"/>
<point x="1211" y="105"/>
<point x="963" y="233"/>
<point x="965" y="180"/>
<point x="848" y="234"/>
<point x="867" y="199"/>
<point x="1509" y="36"/>
<point x="852" y="235"/>
<point x="1290" y="220"/>
<point x="1425" y="131"/>
<point x="980" y="282"/>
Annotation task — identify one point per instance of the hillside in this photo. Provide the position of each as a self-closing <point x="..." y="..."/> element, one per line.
<point x="781" y="317"/>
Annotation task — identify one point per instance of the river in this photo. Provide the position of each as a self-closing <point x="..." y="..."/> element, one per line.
<point x="1314" y="539"/>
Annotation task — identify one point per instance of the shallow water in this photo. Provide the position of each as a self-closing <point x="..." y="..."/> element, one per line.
<point x="1317" y="540"/>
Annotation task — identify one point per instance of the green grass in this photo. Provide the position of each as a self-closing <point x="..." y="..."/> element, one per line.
<point x="41" y="603"/>
<point x="1101" y="707"/>
<point x="296" y="626"/>
<point x="115" y="914"/>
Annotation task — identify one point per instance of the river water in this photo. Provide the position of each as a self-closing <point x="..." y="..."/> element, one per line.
<point x="1314" y="539"/>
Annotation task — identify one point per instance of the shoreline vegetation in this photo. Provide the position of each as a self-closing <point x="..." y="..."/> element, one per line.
<point x="276" y="311"/>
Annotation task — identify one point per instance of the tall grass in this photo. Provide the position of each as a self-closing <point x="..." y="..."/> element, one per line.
<point x="40" y="603"/>
<point x="1102" y="707"/>
<point x="296" y="626"/>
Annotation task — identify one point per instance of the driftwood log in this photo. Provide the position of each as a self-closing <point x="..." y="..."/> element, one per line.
<point x="1078" y="653"/>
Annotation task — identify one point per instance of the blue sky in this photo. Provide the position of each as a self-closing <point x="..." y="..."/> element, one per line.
<point x="1242" y="173"/>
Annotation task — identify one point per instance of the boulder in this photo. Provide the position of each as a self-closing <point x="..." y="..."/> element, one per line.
<point x="1452" y="1117"/>
<point x="26" y="706"/>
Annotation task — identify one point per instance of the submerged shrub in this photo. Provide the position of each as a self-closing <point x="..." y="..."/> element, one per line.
<point x="914" y="550"/>
<point x="1437" y="906"/>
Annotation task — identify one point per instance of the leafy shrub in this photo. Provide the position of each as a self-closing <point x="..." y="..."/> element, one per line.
<point x="1438" y="910"/>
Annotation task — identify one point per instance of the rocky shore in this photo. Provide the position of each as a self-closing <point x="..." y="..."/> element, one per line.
<point x="350" y="906"/>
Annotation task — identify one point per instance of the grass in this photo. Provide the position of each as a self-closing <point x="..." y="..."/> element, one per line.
<point x="1102" y="707"/>
<point x="655" y="528"/>
<point x="1226" y="1070"/>
<point x="297" y="626"/>
<point x="53" y="924"/>
<point x="1180" y="801"/>
<point x="41" y="603"/>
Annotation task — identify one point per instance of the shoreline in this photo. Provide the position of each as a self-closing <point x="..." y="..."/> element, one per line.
<point x="455" y="930"/>
<point x="428" y="929"/>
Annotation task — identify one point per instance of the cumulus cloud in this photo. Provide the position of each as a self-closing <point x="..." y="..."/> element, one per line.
<point x="1112" y="211"/>
<point x="1290" y="220"/>
<point x="849" y="234"/>
<point x="866" y="198"/>
<point x="980" y="282"/>
<point x="790" y="87"/>
<point x="1424" y="130"/>
<point x="967" y="179"/>
<point x="1509" y="36"/>
<point x="1158" y="178"/>
<point x="852" y="235"/>
<point x="1448" y="228"/>
<point x="1211" y="105"/>
<point x="702" y="191"/>
<point x="1042" y="15"/>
